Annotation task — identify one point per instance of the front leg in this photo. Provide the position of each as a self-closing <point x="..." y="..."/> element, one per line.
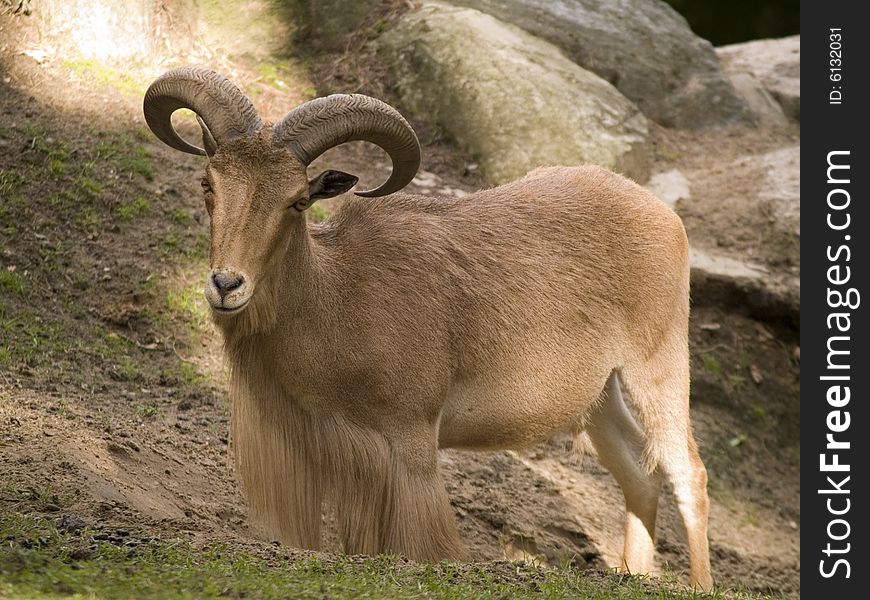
<point x="390" y="497"/>
<point x="276" y="454"/>
<point x="421" y="524"/>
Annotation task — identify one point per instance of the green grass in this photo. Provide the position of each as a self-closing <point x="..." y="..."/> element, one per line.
<point x="148" y="410"/>
<point x="170" y="242"/>
<point x="128" y="369"/>
<point x="181" y="216"/>
<point x="11" y="282"/>
<point x="271" y="73"/>
<point x="199" y="249"/>
<point x="138" y="163"/>
<point x="711" y="364"/>
<point x="185" y="375"/>
<point x="30" y="338"/>
<point x="188" y="303"/>
<point x="105" y="76"/>
<point x="57" y="166"/>
<point x="10" y="181"/>
<point x="39" y="561"/>
<point x="89" y="218"/>
<point x="89" y="186"/>
<point x="86" y="187"/>
<point x="130" y="210"/>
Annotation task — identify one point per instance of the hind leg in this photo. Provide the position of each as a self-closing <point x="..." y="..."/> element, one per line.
<point x="659" y="389"/>
<point x="620" y="444"/>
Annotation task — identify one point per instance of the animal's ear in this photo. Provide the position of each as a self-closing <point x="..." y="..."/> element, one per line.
<point x="207" y="139"/>
<point x="329" y="184"/>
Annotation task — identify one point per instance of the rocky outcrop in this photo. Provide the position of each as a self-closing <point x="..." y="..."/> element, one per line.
<point x="743" y="221"/>
<point x="774" y="64"/>
<point x="643" y="47"/>
<point x="669" y="186"/>
<point x="513" y="101"/>
<point x="735" y="282"/>
<point x="763" y="107"/>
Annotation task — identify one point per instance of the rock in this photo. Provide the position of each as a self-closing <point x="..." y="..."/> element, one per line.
<point x="643" y="47"/>
<point x="780" y="191"/>
<point x="776" y="64"/>
<point x="428" y="183"/>
<point x="670" y="187"/>
<point x="721" y="280"/>
<point x="513" y="101"/>
<point x="764" y="108"/>
<point x="743" y="222"/>
<point x="71" y="523"/>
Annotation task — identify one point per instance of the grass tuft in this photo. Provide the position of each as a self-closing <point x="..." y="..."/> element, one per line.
<point x="105" y="76"/>
<point x="130" y="210"/>
<point x="147" y="410"/>
<point x="138" y="163"/>
<point x="11" y="282"/>
<point x="711" y="364"/>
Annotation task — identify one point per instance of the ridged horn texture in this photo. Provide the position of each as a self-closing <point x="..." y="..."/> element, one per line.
<point x="313" y="128"/>
<point x="226" y="111"/>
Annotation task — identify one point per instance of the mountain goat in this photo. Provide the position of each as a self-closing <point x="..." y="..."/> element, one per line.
<point x="404" y="324"/>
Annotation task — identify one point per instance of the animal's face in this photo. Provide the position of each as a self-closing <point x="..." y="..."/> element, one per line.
<point x="256" y="189"/>
<point x="256" y="196"/>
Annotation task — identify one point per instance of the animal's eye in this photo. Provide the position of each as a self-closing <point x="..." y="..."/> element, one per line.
<point x="206" y="186"/>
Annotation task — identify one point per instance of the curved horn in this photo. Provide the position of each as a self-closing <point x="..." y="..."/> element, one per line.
<point x="223" y="107"/>
<point x="313" y="128"/>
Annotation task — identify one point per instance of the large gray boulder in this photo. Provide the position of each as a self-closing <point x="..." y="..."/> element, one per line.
<point x="743" y="222"/>
<point x="763" y="107"/>
<point x="513" y="101"/>
<point x="643" y="47"/>
<point x="775" y="64"/>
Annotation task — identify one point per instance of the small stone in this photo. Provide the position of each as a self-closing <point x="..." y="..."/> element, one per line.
<point x="71" y="523"/>
<point x="116" y="448"/>
<point x="81" y="554"/>
<point x="670" y="187"/>
<point x="756" y="375"/>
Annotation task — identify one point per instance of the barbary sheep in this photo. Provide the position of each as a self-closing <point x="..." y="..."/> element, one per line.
<point x="404" y="324"/>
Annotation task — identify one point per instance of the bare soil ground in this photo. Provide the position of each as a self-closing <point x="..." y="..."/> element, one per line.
<point x="112" y="401"/>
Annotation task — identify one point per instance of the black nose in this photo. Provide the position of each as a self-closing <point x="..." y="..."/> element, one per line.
<point x="227" y="282"/>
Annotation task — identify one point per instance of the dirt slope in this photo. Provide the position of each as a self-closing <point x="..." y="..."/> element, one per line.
<point x="112" y="401"/>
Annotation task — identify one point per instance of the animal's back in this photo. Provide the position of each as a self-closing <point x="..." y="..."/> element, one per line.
<point x="533" y="289"/>
<point x="564" y="246"/>
<point x="579" y="249"/>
